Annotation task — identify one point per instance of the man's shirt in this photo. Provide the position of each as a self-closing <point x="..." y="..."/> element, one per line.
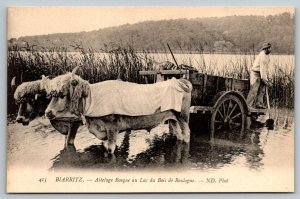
<point x="261" y="64"/>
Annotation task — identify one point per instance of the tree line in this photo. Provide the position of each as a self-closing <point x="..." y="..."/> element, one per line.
<point x="229" y="34"/>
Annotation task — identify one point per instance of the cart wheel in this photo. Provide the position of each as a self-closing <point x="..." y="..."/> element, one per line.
<point x="228" y="119"/>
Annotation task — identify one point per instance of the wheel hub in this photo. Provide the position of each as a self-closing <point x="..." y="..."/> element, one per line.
<point x="229" y="116"/>
<point x="227" y="123"/>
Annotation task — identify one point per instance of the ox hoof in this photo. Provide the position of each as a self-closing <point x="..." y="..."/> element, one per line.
<point x="105" y="154"/>
<point x="110" y="147"/>
<point x="212" y="141"/>
<point x="70" y="148"/>
<point x="109" y="155"/>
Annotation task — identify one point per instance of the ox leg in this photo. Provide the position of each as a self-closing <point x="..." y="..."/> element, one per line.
<point x="105" y="144"/>
<point x="184" y="125"/>
<point x="72" y="131"/>
<point x="184" y="117"/>
<point x="111" y="141"/>
<point x="125" y="143"/>
<point x="177" y="151"/>
<point x="175" y="130"/>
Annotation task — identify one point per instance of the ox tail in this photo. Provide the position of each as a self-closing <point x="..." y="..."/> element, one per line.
<point x="186" y="85"/>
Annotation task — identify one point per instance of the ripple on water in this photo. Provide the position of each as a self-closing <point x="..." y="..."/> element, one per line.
<point x="41" y="144"/>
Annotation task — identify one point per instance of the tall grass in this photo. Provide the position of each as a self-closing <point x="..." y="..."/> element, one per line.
<point x="124" y="63"/>
<point x="281" y="74"/>
<point x="29" y="65"/>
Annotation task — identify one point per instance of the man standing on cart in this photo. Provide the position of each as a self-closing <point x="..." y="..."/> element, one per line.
<point x="259" y="78"/>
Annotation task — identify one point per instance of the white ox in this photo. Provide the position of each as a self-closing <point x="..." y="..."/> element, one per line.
<point x="107" y="117"/>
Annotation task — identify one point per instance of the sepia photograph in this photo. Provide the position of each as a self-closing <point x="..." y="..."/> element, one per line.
<point x="153" y="99"/>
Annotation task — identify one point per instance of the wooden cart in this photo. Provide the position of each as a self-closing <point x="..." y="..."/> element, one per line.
<point x="223" y="98"/>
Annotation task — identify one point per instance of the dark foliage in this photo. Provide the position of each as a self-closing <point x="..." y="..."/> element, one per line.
<point x="225" y="34"/>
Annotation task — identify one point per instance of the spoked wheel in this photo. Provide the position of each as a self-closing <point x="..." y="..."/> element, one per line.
<point x="228" y="119"/>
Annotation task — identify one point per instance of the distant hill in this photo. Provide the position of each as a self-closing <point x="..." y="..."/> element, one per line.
<point x="223" y="34"/>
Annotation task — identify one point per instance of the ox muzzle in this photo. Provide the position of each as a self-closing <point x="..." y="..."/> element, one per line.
<point x="23" y="120"/>
<point x="49" y="114"/>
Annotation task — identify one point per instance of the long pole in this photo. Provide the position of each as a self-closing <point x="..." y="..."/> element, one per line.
<point x="268" y="103"/>
<point x="173" y="56"/>
<point x="269" y="122"/>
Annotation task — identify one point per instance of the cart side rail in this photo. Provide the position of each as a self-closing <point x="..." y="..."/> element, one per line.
<point x="219" y="96"/>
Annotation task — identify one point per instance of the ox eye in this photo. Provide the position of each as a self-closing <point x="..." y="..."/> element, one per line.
<point x="61" y="95"/>
<point x="74" y="82"/>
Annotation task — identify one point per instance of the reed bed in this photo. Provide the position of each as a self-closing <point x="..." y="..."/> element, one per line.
<point x="124" y="63"/>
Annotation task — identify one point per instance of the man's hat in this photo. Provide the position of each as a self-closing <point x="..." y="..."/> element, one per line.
<point x="265" y="46"/>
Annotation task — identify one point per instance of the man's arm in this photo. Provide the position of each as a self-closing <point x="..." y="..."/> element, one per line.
<point x="264" y="64"/>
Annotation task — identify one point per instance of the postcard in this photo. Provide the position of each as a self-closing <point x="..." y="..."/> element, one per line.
<point x="150" y="99"/>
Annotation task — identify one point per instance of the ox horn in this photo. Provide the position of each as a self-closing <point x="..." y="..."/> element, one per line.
<point x="13" y="83"/>
<point x="74" y="82"/>
<point x="37" y="96"/>
<point x="75" y="70"/>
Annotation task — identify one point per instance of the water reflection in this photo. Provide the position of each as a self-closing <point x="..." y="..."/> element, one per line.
<point x="165" y="152"/>
<point x="94" y="156"/>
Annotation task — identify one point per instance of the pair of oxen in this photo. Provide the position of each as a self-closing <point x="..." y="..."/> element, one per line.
<point x="62" y="100"/>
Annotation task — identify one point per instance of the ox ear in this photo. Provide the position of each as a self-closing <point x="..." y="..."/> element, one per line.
<point x="44" y="77"/>
<point x="76" y="93"/>
<point x="85" y="89"/>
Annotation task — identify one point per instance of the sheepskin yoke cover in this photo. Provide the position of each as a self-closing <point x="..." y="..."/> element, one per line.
<point x="131" y="99"/>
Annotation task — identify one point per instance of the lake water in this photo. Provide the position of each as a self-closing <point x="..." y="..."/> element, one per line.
<point x="40" y="145"/>
<point x="216" y="64"/>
